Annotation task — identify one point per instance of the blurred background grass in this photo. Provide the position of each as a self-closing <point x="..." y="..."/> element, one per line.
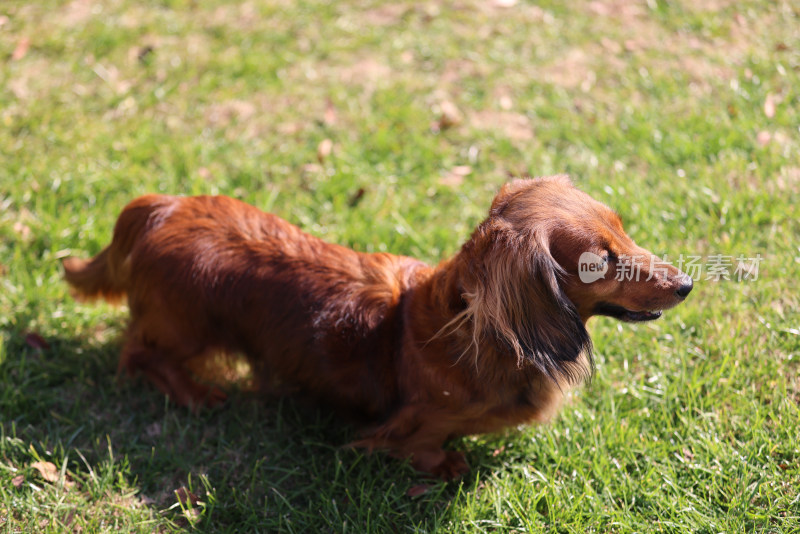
<point x="389" y="126"/>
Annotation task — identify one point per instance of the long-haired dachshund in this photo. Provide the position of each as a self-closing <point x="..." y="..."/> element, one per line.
<point x="486" y="340"/>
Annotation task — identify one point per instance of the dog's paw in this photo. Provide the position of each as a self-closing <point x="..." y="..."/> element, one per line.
<point x="203" y="397"/>
<point x="447" y="465"/>
<point x="215" y="397"/>
<point x="453" y="466"/>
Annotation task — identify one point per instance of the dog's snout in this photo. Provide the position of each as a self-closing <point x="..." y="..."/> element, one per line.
<point x="686" y="286"/>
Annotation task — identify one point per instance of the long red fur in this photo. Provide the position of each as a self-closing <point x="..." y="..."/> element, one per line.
<point x="486" y="340"/>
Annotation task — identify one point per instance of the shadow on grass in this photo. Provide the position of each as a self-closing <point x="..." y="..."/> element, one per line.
<point x="253" y="464"/>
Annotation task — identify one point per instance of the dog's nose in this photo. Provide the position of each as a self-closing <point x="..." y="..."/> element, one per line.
<point x="686" y="286"/>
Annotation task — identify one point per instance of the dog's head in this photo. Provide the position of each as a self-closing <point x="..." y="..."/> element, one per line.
<point x="547" y="259"/>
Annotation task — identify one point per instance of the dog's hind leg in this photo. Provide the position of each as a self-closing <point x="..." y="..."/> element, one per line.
<point x="165" y="365"/>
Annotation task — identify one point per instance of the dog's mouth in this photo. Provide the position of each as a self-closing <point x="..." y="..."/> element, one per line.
<point x="624" y="314"/>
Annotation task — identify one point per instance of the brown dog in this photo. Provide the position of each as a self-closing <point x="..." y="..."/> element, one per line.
<point x="487" y="340"/>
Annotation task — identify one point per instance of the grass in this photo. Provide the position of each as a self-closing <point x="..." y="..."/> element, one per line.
<point x="681" y="115"/>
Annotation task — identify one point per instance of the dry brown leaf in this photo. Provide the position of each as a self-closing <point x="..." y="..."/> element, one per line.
<point x="455" y="176"/>
<point x="23" y="230"/>
<point x="416" y="491"/>
<point x="34" y="340"/>
<point x="143" y="52"/>
<point x="769" y="106"/>
<point x="51" y="474"/>
<point x="610" y="45"/>
<point x="632" y="45"/>
<point x="453" y="180"/>
<point x="290" y="128"/>
<point x="499" y="451"/>
<point x="21" y="49"/>
<point x="186" y="497"/>
<point x="17" y="481"/>
<point x="330" y="116"/>
<point x="324" y="150"/>
<point x="48" y="470"/>
<point x="140" y="54"/>
<point x="153" y="430"/>
<point x="449" y="115"/>
<point x="311" y="168"/>
<point x="356" y="198"/>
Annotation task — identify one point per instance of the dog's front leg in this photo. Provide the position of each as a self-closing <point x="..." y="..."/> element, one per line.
<point x="418" y="432"/>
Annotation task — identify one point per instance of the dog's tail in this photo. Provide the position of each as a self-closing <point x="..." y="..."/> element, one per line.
<point x="107" y="275"/>
<point x="94" y="278"/>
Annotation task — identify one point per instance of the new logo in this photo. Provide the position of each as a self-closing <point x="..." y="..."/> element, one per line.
<point x="591" y="267"/>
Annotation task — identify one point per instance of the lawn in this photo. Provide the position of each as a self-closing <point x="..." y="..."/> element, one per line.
<point x="390" y="126"/>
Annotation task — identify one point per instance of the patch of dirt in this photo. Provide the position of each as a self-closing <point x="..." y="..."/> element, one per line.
<point x="509" y="8"/>
<point x="455" y="70"/>
<point x="77" y="12"/>
<point x="28" y="81"/>
<point x="572" y="70"/>
<point x="258" y="117"/>
<point x="365" y="70"/>
<point x="708" y="6"/>
<point x="225" y="113"/>
<point x="623" y="10"/>
<point x="515" y="126"/>
<point x="701" y="70"/>
<point x="788" y="181"/>
<point x="385" y="15"/>
<point x="242" y="16"/>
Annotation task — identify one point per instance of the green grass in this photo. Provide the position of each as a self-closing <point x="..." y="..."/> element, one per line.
<point x="657" y="108"/>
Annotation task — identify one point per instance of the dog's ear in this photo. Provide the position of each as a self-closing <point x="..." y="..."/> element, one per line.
<point x="507" y="193"/>
<point x="513" y="188"/>
<point x="515" y="295"/>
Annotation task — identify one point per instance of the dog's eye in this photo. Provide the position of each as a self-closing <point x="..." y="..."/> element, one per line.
<point x="609" y="256"/>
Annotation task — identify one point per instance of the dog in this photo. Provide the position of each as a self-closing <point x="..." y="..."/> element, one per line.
<point x="488" y="339"/>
